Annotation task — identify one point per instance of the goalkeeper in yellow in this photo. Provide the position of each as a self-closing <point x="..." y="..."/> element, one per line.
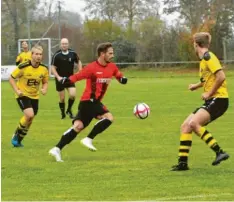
<point x="29" y="75"/>
<point x="25" y="55"/>
<point x="215" y="96"/>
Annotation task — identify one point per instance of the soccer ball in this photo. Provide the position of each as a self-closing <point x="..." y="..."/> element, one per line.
<point x="141" y="110"/>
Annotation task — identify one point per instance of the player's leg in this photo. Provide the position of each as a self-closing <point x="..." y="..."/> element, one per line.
<point x="82" y="120"/>
<point x="35" y="104"/>
<point x="66" y="138"/>
<point x="25" y="121"/>
<point x="72" y="95"/>
<point x="211" y="111"/>
<point x="62" y="103"/>
<point x="185" y="145"/>
<point x="105" y="120"/>
<point x="61" y="93"/>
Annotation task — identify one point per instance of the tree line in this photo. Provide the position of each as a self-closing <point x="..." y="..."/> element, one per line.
<point x="136" y="28"/>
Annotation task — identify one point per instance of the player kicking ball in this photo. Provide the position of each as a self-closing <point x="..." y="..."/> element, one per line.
<point x="98" y="75"/>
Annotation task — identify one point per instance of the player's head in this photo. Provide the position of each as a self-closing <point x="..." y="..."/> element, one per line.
<point x="201" y="40"/>
<point x="24" y="45"/>
<point x="105" y="51"/>
<point x="64" y="44"/>
<point x="37" y="52"/>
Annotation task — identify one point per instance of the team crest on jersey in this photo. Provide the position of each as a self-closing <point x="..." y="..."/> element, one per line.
<point x="41" y="76"/>
<point x="69" y="59"/>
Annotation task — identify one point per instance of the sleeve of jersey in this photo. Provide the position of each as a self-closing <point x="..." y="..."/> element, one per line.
<point x="53" y="61"/>
<point x="85" y="73"/>
<point x="76" y="58"/>
<point x="46" y="76"/>
<point x="18" y="59"/>
<point x="117" y="74"/>
<point x="16" y="73"/>
<point x="214" y="64"/>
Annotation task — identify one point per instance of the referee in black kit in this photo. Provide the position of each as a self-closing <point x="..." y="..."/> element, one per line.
<point x="63" y="64"/>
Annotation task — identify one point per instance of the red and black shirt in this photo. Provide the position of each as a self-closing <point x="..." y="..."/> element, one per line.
<point x="98" y="77"/>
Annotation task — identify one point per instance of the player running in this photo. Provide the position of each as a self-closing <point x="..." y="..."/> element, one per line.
<point x="98" y="75"/>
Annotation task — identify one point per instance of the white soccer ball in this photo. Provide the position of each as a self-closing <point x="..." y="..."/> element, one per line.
<point x="141" y="110"/>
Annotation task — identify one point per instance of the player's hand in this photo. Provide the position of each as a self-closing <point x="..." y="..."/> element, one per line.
<point x="59" y="78"/>
<point x="192" y="87"/>
<point x="43" y="91"/>
<point x="64" y="80"/>
<point x="19" y="93"/>
<point x="206" y="96"/>
<point x="123" y="80"/>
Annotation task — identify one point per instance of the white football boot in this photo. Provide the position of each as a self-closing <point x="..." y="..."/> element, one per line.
<point x="87" y="142"/>
<point x="56" y="153"/>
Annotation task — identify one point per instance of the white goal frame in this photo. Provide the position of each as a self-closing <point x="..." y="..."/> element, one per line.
<point x="38" y="40"/>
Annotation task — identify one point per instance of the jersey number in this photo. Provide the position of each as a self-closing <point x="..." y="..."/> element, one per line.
<point x="32" y="82"/>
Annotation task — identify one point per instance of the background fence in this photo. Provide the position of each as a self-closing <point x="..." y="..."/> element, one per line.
<point x="147" y="39"/>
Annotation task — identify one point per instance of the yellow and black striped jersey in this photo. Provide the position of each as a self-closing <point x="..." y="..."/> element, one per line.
<point x="30" y="78"/>
<point x="23" y="57"/>
<point x="209" y="65"/>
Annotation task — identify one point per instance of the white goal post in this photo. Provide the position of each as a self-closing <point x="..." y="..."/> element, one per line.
<point x="49" y="46"/>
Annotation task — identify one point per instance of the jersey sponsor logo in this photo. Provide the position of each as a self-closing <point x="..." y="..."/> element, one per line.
<point x="32" y="82"/>
<point x="99" y="72"/>
<point x="104" y="80"/>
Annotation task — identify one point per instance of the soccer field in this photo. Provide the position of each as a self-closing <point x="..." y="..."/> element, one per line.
<point x="134" y="156"/>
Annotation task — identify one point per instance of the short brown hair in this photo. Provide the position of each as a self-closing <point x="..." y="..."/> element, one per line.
<point x="102" y="47"/>
<point x="24" y="42"/>
<point x="203" y="39"/>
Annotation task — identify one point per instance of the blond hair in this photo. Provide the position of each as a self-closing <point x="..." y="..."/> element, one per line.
<point x="202" y="39"/>
<point x="36" y="47"/>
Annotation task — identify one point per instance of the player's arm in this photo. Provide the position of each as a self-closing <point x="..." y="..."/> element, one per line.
<point x="55" y="73"/>
<point x="195" y="86"/>
<point x="18" y="60"/>
<point x="17" y="73"/>
<point x="120" y="77"/>
<point x="78" y="63"/>
<point x="78" y="67"/>
<point x="85" y="73"/>
<point x="216" y="68"/>
<point x="219" y="79"/>
<point x="54" y="67"/>
<point x="45" y="80"/>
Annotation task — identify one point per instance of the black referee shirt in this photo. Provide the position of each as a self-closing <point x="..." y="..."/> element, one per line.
<point x="65" y="62"/>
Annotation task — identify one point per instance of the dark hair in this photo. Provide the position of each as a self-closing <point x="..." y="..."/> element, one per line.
<point x="102" y="47"/>
<point x="24" y="42"/>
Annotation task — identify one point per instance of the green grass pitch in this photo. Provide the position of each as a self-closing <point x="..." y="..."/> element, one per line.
<point x="134" y="156"/>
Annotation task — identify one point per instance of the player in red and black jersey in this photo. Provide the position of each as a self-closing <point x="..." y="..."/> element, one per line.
<point x="98" y="75"/>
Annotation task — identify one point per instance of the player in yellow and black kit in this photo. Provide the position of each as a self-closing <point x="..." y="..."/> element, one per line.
<point x="215" y="95"/>
<point x="25" y="55"/>
<point x="29" y="76"/>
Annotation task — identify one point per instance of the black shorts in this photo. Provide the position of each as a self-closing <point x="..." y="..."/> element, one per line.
<point x="26" y="102"/>
<point x="215" y="106"/>
<point x="87" y="110"/>
<point x="61" y="87"/>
